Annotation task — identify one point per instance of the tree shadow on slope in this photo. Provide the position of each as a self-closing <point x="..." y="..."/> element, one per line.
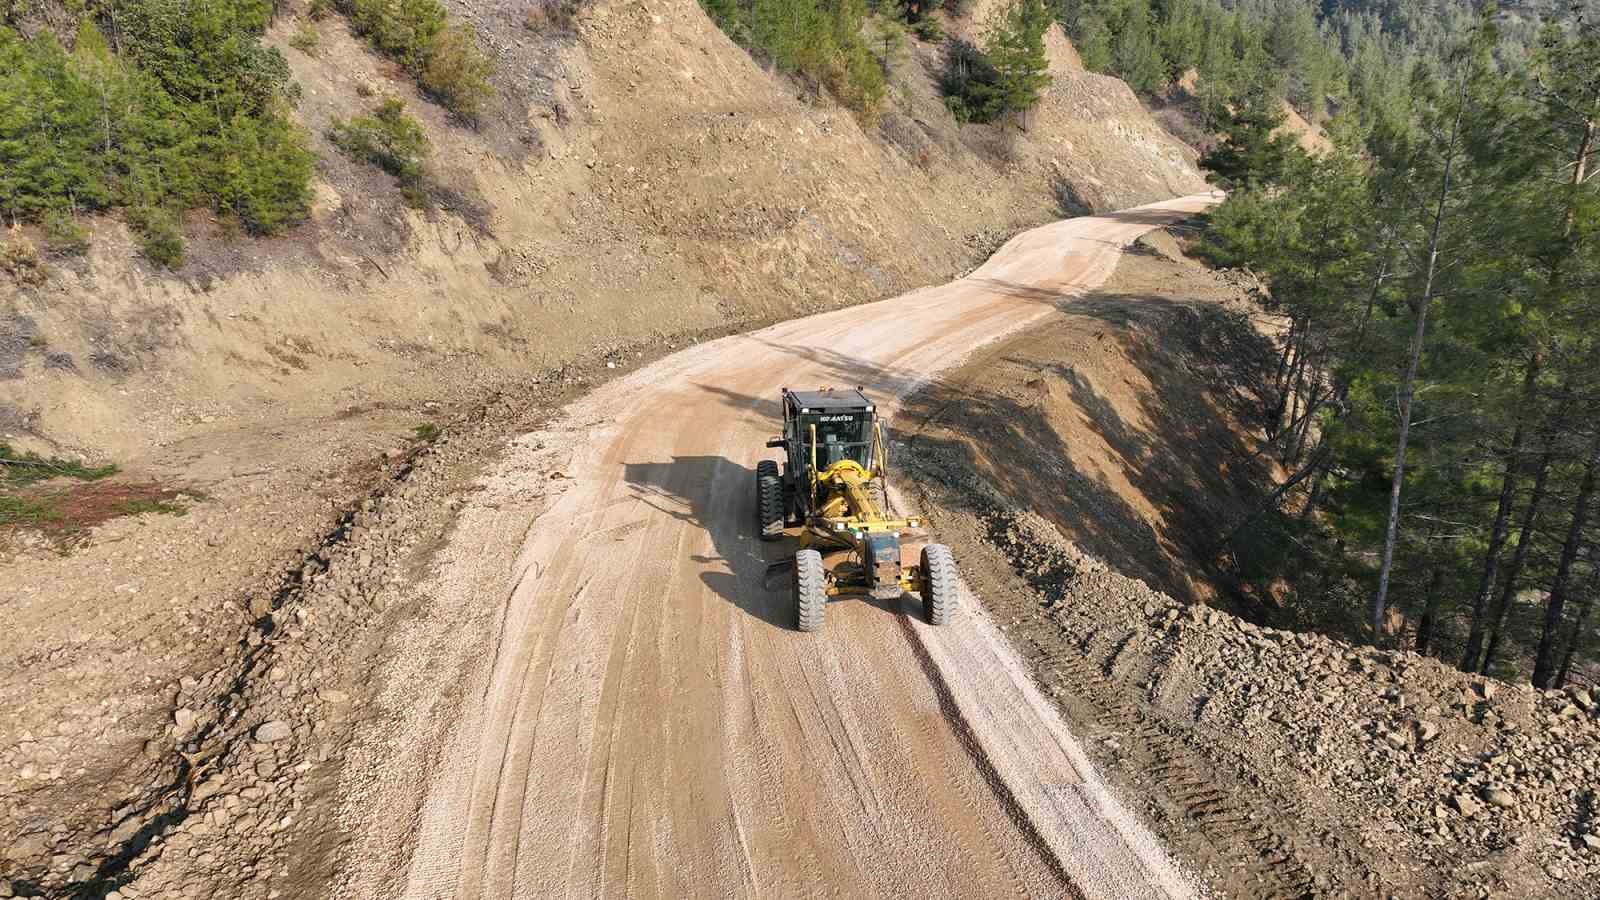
<point x="1181" y="448"/>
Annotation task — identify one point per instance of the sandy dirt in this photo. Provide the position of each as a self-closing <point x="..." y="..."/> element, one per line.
<point x="635" y="713"/>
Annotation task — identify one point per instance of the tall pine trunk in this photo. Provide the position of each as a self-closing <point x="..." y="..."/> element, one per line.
<point x="1544" y="664"/>
<point x="1502" y="518"/>
<point x="1430" y="611"/>
<point x="1579" y="626"/>
<point x="1408" y="391"/>
<point x="1530" y="518"/>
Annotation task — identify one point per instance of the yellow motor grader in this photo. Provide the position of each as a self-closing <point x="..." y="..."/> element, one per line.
<point x="833" y="488"/>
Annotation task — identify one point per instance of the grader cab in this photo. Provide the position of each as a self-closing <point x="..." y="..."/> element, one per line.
<point x="833" y="488"/>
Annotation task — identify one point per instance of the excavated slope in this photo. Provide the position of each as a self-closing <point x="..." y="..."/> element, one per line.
<point x="640" y="176"/>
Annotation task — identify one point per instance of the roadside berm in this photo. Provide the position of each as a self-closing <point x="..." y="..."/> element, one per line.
<point x="1281" y="763"/>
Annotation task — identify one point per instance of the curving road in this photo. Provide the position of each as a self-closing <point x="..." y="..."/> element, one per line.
<point x="650" y="725"/>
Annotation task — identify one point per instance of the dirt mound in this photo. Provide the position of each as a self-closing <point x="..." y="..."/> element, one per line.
<point x="1308" y="136"/>
<point x="1282" y="764"/>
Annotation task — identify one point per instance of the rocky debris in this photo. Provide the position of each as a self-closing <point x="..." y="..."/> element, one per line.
<point x="247" y="793"/>
<point x="1400" y="774"/>
<point x="276" y="730"/>
<point x="1465" y="805"/>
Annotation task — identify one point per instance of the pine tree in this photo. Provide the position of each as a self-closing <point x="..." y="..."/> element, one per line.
<point x="1015" y="48"/>
<point x="1252" y="151"/>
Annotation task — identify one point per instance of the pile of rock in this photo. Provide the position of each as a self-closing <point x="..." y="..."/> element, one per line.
<point x="1428" y="774"/>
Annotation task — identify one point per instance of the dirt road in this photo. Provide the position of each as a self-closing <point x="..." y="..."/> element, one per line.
<point x="646" y="721"/>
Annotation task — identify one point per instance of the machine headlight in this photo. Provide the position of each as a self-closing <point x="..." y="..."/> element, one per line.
<point x="914" y="522"/>
<point x="838" y="526"/>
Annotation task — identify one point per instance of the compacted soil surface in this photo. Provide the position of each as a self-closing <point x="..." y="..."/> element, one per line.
<point x="527" y="648"/>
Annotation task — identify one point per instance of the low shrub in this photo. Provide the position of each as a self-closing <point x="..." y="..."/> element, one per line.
<point x="160" y="235"/>
<point x="63" y="235"/>
<point x="392" y="141"/>
<point x="457" y="73"/>
<point x="306" y="39"/>
<point x="444" y="58"/>
<point x="545" y="15"/>
<point x="20" y="259"/>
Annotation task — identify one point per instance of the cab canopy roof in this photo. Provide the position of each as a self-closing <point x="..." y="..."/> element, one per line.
<point x="828" y="398"/>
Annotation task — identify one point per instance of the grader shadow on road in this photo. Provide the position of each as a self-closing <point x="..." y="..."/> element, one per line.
<point x="717" y="495"/>
<point x="698" y="490"/>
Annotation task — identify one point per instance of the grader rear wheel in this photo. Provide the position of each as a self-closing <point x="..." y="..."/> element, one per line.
<point x="769" y="500"/>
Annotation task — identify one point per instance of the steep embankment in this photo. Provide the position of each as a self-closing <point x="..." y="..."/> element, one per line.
<point x="1116" y="440"/>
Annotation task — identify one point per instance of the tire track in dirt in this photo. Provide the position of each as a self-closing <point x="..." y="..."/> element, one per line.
<point x="1231" y="818"/>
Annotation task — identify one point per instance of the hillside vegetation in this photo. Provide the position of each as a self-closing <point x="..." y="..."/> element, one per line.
<point x="1436" y="393"/>
<point x="1320" y="56"/>
<point x="632" y="175"/>
<point x="158" y="107"/>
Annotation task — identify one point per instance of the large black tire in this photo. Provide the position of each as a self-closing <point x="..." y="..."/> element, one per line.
<point x="769" y="500"/>
<point x="810" y="591"/>
<point x="939" y="584"/>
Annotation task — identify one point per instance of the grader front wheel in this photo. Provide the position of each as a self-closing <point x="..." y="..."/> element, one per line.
<point x="810" y="590"/>
<point x="938" y="584"/>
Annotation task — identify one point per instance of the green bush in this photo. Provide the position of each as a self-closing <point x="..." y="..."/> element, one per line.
<point x="263" y="173"/>
<point x="161" y="236"/>
<point x="189" y="111"/>
<point x="306" y="39"/>
<point x="457" y="73"/>
<point x="62" y="233"/>
<point x="444" y="59"/>
<point x="392" y="141"/>
<point x="403" y="29"/>
<point x="821" y="40"/>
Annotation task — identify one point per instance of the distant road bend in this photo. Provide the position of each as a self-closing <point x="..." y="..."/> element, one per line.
<point x="651" y="725"/>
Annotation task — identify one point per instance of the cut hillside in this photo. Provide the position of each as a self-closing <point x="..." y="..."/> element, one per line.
<point x="1135" y="409"/>
<point x="636" y="176"/>
<point x="637" y="181"/>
